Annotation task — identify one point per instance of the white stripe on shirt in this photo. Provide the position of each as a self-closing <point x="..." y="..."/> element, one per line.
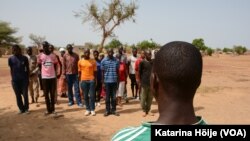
<point x="124" y="130"/>
<point x="137" y="134"/>
<point x="129" y="133"/>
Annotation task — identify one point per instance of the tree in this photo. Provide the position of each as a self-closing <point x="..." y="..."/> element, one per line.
<point x="226" y="50"/>
<point x="209" y="51"/>
<point x="114" y="44"/>
<point x="147" y="45"/>
<point x="37" y="40"/>
<point x="199" y="43"/>
<point x="108" y="17"/>
<point x="6" y="34"/>
<point x="240" y="49"/>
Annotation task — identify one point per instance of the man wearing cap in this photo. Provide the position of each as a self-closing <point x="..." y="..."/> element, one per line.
<point x="70" y="62"/>
<point x="48" y="63"/>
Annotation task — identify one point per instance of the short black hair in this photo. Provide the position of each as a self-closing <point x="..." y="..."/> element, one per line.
<point x="45" y="43"/>
<point x="16" y="46"/>
<point x="96" y="51"/>
<point x="69" y="46"/>
<point x="179" y="65"/>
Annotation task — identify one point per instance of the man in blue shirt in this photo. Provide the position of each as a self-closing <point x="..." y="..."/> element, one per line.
<point x="110" y="67"/>
<point x="19" y="70"/>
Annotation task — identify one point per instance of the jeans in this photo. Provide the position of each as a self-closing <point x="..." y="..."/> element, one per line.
<point x="111" y="95"/>
<point x="49" y="87"/>
<point x="98" y="89"/>
<point x="88" y="88"/>
<point x="72" y="79"/>
<point x="20" y="88"/>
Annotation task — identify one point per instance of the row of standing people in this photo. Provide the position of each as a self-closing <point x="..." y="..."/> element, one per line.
<point x="92" y="74"/>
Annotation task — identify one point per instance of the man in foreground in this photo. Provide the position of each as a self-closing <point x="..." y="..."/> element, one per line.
<point x="175" y="77"/>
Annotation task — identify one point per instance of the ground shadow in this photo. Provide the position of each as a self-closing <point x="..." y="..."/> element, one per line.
<point x="129" y="110"/>
<point x="34" y="126"/>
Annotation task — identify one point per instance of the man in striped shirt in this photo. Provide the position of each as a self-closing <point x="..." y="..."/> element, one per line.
<point x="175" y="77"/>
<point x="110" y="69"/>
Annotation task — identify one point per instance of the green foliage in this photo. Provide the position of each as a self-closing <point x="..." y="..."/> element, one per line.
<point x="226" y="50"/>
<point x="147" y="45"/>
<point x="199" y="43"/>
<point x="114" y="44"/>
<point x="209" y="51"/>
<point x="240" y="49"/>
<point x="107" y="18"/>
<point x="6" y="35"/>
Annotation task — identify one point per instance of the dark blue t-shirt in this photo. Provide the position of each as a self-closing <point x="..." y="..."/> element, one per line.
<point x="19" y="66"/>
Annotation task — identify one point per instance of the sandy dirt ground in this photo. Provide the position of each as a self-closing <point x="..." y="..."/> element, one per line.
<point x="222" y="98"/>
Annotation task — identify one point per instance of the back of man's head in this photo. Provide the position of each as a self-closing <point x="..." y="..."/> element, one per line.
<point x="178" y="67"/>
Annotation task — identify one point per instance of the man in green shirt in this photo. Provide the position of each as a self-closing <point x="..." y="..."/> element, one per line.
<point x="175" y="77"/>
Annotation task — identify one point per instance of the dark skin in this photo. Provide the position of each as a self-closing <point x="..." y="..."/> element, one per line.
<point x="29" y="51"/>
<point x="87" y="57"/>
<point x="62" y="53"/>
<point x="101" y="57"/>
<point x="171" y="109"/>
<point x="70" y="50"/>
<point x="134" y="53"/>
<point x="96" y="55"/>
<point x="120" y="50"/>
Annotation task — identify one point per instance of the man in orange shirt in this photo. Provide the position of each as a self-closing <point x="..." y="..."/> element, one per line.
<point x="87" y="74"/>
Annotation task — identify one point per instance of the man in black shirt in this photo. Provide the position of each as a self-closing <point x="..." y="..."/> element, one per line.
<point x="144" y="75"/>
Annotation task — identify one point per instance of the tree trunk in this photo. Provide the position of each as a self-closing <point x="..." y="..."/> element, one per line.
<point x="102" y="44"/>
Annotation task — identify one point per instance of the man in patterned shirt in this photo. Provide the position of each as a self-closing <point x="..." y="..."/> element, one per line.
<point x="70" y="64"/>
<point x="110" y="69"/>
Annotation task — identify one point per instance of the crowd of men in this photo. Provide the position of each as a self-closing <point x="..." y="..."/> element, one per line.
<point x="83" y="80"/>
<point x="172" y="77"/>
